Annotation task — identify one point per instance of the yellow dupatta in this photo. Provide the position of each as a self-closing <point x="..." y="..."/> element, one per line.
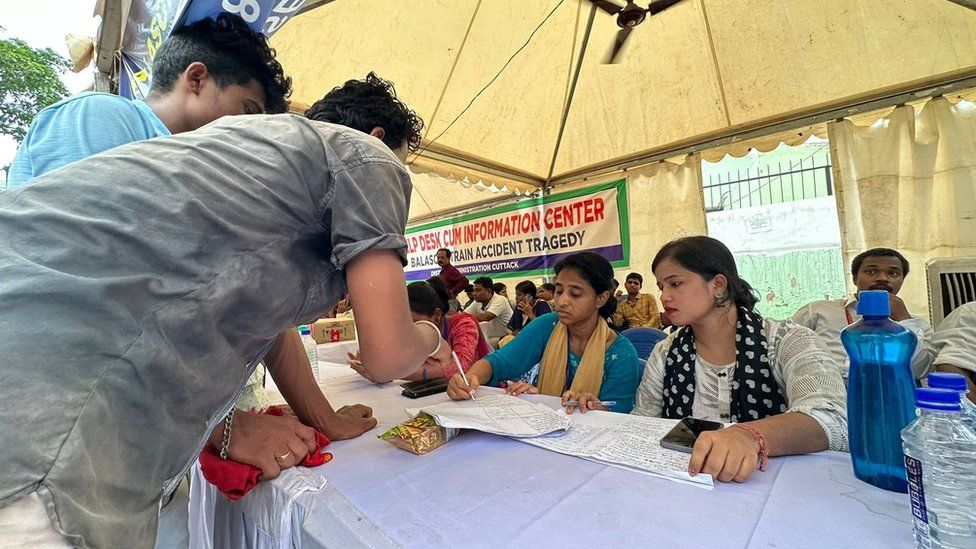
<point x="589" y="375"/>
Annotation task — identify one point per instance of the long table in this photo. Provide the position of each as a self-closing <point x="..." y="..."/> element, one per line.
<point x="483" y="490"/>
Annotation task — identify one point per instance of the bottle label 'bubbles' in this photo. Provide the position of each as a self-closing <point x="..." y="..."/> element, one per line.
<point x="917" y="493"/>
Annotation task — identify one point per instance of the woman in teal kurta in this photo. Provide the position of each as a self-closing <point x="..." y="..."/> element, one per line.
<point x="573" y="346"/>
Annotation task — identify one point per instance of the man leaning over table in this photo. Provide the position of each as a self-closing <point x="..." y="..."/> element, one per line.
<point x="169" y="265"/>
<point x="212" y="68"/>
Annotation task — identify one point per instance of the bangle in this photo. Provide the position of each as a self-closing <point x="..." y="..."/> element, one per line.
<point x="228" y="421"/>
<point x="437" y="335"/>
<point x="759" y="438"/>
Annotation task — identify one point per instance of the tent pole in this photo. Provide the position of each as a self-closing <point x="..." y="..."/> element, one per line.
<point x="109" y="41"/>
<point x="569" y="99"/>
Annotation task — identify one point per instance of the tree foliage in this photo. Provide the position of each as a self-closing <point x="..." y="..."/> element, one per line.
<point x="28" y="82"/>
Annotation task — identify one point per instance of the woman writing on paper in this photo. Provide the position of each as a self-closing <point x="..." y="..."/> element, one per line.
<point x="574" y="347"/>
<point x="774" y="379"/>
<point x="429" y="302"/>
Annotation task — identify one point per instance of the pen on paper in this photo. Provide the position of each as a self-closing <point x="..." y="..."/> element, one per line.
<point x="461" y="371"/>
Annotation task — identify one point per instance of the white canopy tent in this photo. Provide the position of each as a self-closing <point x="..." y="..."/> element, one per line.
<point x="702" y="75"/>
<point x="512" y="108"/>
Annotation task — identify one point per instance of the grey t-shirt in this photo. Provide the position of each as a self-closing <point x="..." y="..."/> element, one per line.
<point x="137" y="283"/>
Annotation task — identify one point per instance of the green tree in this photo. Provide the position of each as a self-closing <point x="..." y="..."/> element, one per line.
<point x="28" y="82"/>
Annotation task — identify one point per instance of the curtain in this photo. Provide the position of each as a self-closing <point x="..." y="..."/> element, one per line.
<point x="664" y="202"/>
<point x="908" y="182"/>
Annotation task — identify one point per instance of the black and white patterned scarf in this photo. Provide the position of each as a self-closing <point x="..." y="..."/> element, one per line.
<point x="755" y="393"/>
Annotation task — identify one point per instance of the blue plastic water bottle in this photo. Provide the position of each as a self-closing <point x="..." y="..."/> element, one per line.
<point x="880" y="392"/>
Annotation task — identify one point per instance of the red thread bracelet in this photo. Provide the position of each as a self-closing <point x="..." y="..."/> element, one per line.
<point x="758" y="437"/>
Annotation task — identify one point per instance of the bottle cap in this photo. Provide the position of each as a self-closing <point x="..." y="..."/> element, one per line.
<point x="873" y="303"/>
<point x="945" y="380"/>
<point x="942" y="400"/>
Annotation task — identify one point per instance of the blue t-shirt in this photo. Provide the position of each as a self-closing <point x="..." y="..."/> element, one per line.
<point x="620" y="368"/>
<point x="78" y="127"/>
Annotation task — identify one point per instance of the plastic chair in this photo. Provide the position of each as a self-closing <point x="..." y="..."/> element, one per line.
<point x="644" y="340"/>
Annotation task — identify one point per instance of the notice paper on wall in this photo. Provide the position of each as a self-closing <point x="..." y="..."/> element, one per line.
<point x="621" y="440"/>
<point x="498" y="414"/>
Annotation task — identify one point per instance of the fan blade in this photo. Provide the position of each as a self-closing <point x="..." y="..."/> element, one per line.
<point x="657" y="7"/>
<point x="618" y="46"/>
<point x="607" y="6"/>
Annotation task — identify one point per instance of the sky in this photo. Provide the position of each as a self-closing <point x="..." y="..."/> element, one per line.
<point x="44" y="24"/>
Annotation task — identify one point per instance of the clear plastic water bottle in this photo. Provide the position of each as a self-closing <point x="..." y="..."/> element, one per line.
<point x="311" y="349"/>
<point x="940" y="455"/>
<point x="880" y="391"/>
<point x="955" y="382"/>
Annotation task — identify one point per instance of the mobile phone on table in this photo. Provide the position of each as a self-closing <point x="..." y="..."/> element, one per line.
<point x="684" y="434"/>
<point x="422" y="388"/>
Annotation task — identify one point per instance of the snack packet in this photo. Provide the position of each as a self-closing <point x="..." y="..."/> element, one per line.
<point x="419" y="435"/>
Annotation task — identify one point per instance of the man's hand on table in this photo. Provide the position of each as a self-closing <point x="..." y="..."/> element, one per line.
<point x="349" y="422"/>
<point x="270" y="443"/>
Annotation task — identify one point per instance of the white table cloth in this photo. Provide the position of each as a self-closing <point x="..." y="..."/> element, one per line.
<point x="482" y="490"/>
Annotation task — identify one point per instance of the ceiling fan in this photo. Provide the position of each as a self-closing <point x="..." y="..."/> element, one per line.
<point x="628" y="17"/>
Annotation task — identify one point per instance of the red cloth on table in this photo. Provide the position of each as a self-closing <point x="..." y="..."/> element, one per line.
<point x="235" y="479"/>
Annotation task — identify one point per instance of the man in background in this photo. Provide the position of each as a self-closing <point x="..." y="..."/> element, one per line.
<point x="637" y="310"/>
<point x="492" y="309"/>
<point x="454" y="281"/>
<point x="469" y="295"/>
<point x="875" y="269"/>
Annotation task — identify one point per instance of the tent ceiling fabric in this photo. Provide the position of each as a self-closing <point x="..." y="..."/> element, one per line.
<point x="701" y="69"/>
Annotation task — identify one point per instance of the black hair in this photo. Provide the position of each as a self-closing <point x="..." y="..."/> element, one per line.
<point x="708" y="257"/>
<point x="426" y="297"/>
<point x="367" y="104"/>
<point x="878" y="252"/>
<point x="637" y="277"/>
<point x="233" y="54"/>
<point x="484" y="282"/>
<point x="597" y="271"/>
<point x="527" y="287"/>
<point x="549" y="286"/>
<point x="469" y="288"/>
<point x="498" y="287"/>
<point x="446" y="252"/>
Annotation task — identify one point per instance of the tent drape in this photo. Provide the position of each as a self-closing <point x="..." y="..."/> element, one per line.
<point x="665" y="202"/>
<point x="909" y="182"/>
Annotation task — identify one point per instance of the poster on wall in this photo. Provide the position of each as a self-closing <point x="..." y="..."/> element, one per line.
<point x="150" y="22"/>
<point x="527" y="238"/>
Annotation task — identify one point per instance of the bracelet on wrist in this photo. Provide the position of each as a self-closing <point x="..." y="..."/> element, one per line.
<point x="437" y="335"/>
<point x="760" y="440"/>
<point x="225" y="442"/>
